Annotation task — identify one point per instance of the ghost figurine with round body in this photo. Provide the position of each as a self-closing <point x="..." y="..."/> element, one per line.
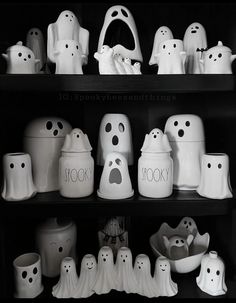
<point x="67" y="27"/>
<point x="87" y="277"/>
<point x="186" y="136"/>
<point x="106" y="61"/>
<point x="67" y="284"/>
<point x="20" y="60"/>
<point x="211" y="278"/>
<point x="177" y="247"/>
<point x="121" y="13"/>
<point x="187" y="226"/>
<point x="155" y="166"/>
<point x="195" y="44"/>
<point x="162" y="34"/>
<point x="105" y="279"/>
<point x="125" y="276"/>
<point x="115" y="182"/>
<point x="17" y="177"/>
<point x="43" y="140"/>
<point x="165" y="286"/>
<point x="171" y="57"/>
<point x="215" y="177"/>
<point x="115" y="136"/>
<point x="142" y="270"/>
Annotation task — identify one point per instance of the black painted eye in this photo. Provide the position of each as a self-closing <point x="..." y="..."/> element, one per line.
<point x="218" y="272"/>
<point x="190" y="223"/>
<point x="60" y="125"/>
<point x="24" y="274"/>
<point x="115" y="13"/>
<point x="49" y="125"/>
<point x="177" y="241"/>
<point x="209" y="165"/>
<point x="29" y="56"/>
<point x="67" y="15"/>
<point x="121" y="127"/>
<point x="19" y="54"/>
<point x="219" y="166"/>
<point x="36" y="33"/>
<point x="208" y="270"/>
<point x="110" y="163"/>
<point x="210" y="56"/>
<point x="35" y="270"/>
<point x="164" y="46"/>
<point x="108" y="127"/>
<point x="124" y="13"/>
<point x="22" y="165"/>
<point x="185" y="222"/>
<point x="187" y="123"/>
<point x="60" y="249"/>
<point x="31" y="33"/>
<point x="11" y="165"/>
<point x="77" y="46"/>
<point x="174" y="45"/>
<point x="77" y="136"/>
<point x="175" y="123"/>
<point x="66" y="45"/>
<point x="182" y="241"/>
<point x="197" y="27"/>
<point x="219" y="55"/>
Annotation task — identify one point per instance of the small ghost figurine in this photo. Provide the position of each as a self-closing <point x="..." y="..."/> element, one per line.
<point x="137" y="68"/>
<point x="105" y="278"/>
<point x="156" y="141"/>
<point x="162" y="277"/>
<point x="195" y="44"/>
<point x="88" y="271"/>
<point x="67" y="284"/>
<point x="171" y="57"/>
<point x="162" y="34"/>
<point x="187" y="226"/>
<point x="128" y="66"/>
<point x="212" y="275"/>
<point x="142" y="270"/>
<point x="177" y="247"/>
<point x="20" y="60"/>
<point x="119" y="64"/>
<point x="106" y="61"/>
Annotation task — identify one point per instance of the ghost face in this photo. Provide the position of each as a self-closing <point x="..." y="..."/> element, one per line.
<point x="171" y="47"/>
<point x="162" y="266"/>
<point x="195" y="35"/>
<point x="89" y="263"/>
<point x="124" y="257"/>
<point x="142" y="264"/>
<point x="177" y="247"/>
<point x="189" y="225"/>
<point x="105" y="257"/>
<point x="34" y="34"/>
<point x="67" y="266"/>
<point x="67" y="18"/>
<point x="76" y="141"/>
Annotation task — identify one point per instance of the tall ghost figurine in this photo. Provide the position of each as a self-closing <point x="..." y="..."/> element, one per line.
<point x="106" y="61"/>
<point x="105" y="277"/>
<point x="142" y="269"/>
<point x="162" y="34"/>
<point x="115" y="136"/>
<point x="125" y="277"/>
<point x="67" y="27"/>
<point x="18" y="181"/>
<point x="215" y="177"/>
<point x="186" y="136"/>
<point x="67" y="284"/>
<point x="35" y="41"/>
<point x="212" y="275"/>
<point x="87" y="277"/>
<point x="195" y="43"/>
<point x="171" y="57"/>
<point x="162" y="277"/>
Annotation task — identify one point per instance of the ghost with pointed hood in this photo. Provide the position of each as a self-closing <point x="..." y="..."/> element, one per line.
<point x="195" y="44"/>
<point x="68" y="281"/>
<point x="67" y="27"/>
<point x="142" y="270"/>
<point x="162" y="277"/>
<point x="88" y="271"/>
<point x="106" y="61"/>
<point x="156" y="142"/>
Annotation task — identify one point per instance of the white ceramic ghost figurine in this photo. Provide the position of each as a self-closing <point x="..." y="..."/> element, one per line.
<point x="187" y="226"/>
<point x="128" y="66"/>
<point x="142" y="270"/>
<point x="155" y="142"/>
<point x="125" y="277"/>
<point x="106" y="61"/>
<point x="115" y="182"/>
<point x="105" y="278"/>
<point x="68" y="57"/>
<point x="115" y="136"/>
<point x="162" y="275"/>
<point x="67" y="284"/>
<point x="119" y="64"/>
<point x="186" y="136"/>
<point x="177" y="247"/>
<point x="212" y="275"/>
<point x="20" y="60"/>
<point x="17" y="180"/>
<point x="195" y="44"/>
<point x="163" y="33"/>
<point x="171" y="57"/>
<point x="88" y="272"/>
<point x="215" y="177"/>
<point x="137" y="68"/>
<point x="119" y="12"/>
<point x="35" y="41"/>
<point x="67" y="27"/>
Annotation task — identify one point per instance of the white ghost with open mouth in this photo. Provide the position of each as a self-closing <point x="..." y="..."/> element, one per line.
<point x="115" y="181"/>
<point x="177" y="247"/>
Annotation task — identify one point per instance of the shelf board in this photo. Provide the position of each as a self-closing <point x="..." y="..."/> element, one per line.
<point x="117" y="83"/>
<point x="180" y="203"/>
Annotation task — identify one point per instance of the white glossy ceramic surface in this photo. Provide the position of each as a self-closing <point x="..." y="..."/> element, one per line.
<point x="177" y="247"/>
<point x="106" y="61"/>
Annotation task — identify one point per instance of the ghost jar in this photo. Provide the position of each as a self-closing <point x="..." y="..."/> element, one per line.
<point x="76" y="166"/>
<point x="155" y="166"/>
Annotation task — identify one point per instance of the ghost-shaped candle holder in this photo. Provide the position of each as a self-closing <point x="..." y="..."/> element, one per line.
<point x="211" y="279"/>
<point x="115" y="136"/>
<point x="155" y="166"/>
<point x="115" y="181"/>
<point x="17" y="177"/>
<point x="215" y="177"/>
<point x="186" y="136"/>
<point x="76" y="166"/>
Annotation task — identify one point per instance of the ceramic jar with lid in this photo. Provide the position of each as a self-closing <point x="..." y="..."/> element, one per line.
<point x="76" y="166"/>
<point x="155" y="166"/>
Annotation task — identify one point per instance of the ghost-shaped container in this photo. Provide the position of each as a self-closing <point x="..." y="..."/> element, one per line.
<point x="186" y="136"/>
<point x="215" y="176"/>
<point x="155" y="166"/>
<point x="55" y="240"/>
<point x="115" y="136"/>
<point x="17" y="177"/>
<point x="76" y="166"/>
<point x="115" y="181"/>
<point x="43" y="140"/>
<point x="177" y="247"/>
<point x="211" y="279"/>
<point x="218" y="60"/>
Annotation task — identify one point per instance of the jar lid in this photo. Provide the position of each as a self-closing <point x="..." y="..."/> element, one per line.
<point x="218" y="48"/>
<point x="76" y="142"/>
<point x="19" y="47"/>
<point x="156" y="142"/>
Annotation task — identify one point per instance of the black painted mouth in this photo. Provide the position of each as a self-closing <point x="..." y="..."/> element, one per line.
<point x="181" y="133"/>
<point x="104" y="259"/>
<point x="90" y="267"/>
<point x="193" y="32"/>
<point x="115" y="140"/>
<point x="115" y="176"/>
<point x="163" y="270"/>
